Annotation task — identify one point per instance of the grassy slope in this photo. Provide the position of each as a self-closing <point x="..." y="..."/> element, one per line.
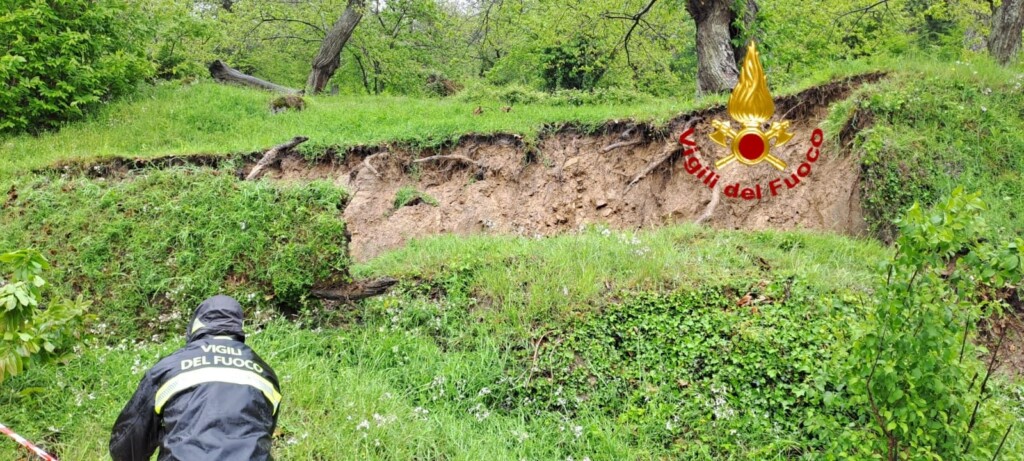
<point x="934" y="127"/>
<point x="496" y="311"/>
<point x="388" y="358"/>
<point x="210" y="118"/>
<point x="478" y="362"/>
<point x="219" y="119"/>
<point x="152" y="245"/>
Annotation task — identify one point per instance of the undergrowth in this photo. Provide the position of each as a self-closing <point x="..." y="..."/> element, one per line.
<point x="147" y="248"/>
<point x="439" y="368"/>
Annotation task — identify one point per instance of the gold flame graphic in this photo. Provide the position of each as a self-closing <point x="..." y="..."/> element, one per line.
<point x="750" y="103"/>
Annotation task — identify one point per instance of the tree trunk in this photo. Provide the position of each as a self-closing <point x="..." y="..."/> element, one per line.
<point x="222" y="72"/>
<point x="328" y="58"/>
<point x="1007" y="24"/>
<point x="716" y="61"/>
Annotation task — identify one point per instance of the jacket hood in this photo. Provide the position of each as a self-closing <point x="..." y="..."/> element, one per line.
<point x="217" y="316"/>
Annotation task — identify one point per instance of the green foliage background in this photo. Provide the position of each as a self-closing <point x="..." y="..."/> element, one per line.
<point x="546" y="45"/>
<point x="63" y="58"/>
<point x="679" y="343"/>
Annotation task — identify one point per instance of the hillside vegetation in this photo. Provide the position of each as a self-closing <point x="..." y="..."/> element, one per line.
<point x="121" y="162"/>
<point x="684" y="342"/>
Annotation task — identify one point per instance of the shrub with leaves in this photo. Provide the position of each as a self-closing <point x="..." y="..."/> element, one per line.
<point x="61" y="58"/>
<point x="915" y="375"/>
<point x="29" y="330"/>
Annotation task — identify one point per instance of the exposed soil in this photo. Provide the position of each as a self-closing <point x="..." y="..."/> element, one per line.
<point x="566" y="182"/>
<point x="568" y="179"/>
<point x="1010" y="356"/>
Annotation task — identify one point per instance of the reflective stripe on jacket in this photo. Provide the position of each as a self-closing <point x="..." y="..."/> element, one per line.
<point x="214" y="399"/>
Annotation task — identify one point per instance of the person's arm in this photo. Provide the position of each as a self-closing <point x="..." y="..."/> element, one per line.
<point x="134" y="437"/>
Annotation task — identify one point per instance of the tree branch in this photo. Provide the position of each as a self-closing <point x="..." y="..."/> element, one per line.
<point x="272" y="156"/>
<point x="266" y="19"/>
<point x="613" y="146"/>
<point x="357" y="290"/>
<point x="984" y="382"/>
<point x="637" y="19"/>
<point x="224" y="73"/>
<point x="289" y="37"/>
<point x="670" y="152"/>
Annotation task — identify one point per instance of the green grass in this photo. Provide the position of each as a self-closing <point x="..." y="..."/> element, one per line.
<point x="219" y="119"/>
<point x="408" y="195"/>
<point x="556" y="278"/>
<point x="452" y="370"/>
<point x="388" y="356"/>
<point x="600" y="345"/>
<point x="935" y="127"/>
<point x="147" y="247"/>
<point x="209" y="118"/>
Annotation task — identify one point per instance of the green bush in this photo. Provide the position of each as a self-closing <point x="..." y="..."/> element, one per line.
<point x="921" y="134"/>
<point x="915" y="378"/>
<point x="508" y="94"/>
<point x="64" y="57"/>
<point x="29" y="330"/>
<point x="597" y="97"/>
<point x="576" y="65"/>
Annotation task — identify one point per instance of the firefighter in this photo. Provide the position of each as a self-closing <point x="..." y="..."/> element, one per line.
<point x="213" y="399"/>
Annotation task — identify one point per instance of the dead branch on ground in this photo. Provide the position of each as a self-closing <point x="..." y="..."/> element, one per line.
<point x="224" y="73"/>
<point x="357" y="290"/>
<point x="272" y="156"/>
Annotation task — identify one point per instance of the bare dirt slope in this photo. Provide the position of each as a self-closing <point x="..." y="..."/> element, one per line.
<point x="570" y="179"/>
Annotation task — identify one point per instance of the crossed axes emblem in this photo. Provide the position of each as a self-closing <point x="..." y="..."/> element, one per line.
<point x="750" y="145"/>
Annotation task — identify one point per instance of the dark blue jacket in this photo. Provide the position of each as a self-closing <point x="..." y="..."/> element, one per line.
<point x="213" y="399"/>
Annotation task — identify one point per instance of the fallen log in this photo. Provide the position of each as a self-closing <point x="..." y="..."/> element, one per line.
<point x="272" y="156"/>
<point x="360" y="289"/>
<point x="224" y="73"/>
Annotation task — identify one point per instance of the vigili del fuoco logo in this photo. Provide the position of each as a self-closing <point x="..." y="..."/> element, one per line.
<point x="751" y="144"/>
